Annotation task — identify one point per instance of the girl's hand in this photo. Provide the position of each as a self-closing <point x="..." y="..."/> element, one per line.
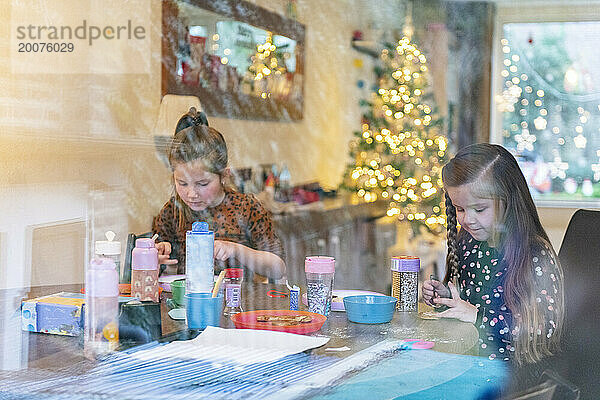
<point x="433" y="289"/>
<point x="457" y="307"/>
<point x="164" y="253"/>
<point x="224" y="250"/>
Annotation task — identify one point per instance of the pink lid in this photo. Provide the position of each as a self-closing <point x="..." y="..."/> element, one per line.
<point x="144" y="255"/>
<point x="319" y="264"/>
<point x="145" y="243"/>
<point x="101" y="279"/>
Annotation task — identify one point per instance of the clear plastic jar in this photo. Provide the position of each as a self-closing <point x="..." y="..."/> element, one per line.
<point x="320" y="272"/>
<point x="233" y="291"/>
<point x="405" y="282"/>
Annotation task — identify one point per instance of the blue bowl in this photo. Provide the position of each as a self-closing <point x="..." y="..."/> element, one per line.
<point x="368" y="309"/>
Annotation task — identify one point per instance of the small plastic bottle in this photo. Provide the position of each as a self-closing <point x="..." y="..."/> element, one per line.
<point x="109" y="248"/>
<point x="144" y="270"/>
<point x="233" y="291"/>
<point x="101" y="326"/>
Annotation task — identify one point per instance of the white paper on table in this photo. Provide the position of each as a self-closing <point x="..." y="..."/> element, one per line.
<point x="243" y="346"/>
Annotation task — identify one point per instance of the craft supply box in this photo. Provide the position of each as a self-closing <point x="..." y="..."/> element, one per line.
<point x="60" y="313"/>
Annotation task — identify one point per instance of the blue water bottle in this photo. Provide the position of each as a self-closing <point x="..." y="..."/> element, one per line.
<point x="199" y="249"/>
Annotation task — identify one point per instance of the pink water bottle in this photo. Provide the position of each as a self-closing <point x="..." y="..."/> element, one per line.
<point x="144" y="270"/>
<point x="101" y="327"/>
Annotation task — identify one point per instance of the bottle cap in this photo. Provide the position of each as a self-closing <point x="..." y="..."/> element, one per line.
<point x="234" y="273"/>
<point x="102" y="279"/>
<point x="103" y="247"/>
<point x="108" y="247"/>
<point x="319" y="264"/>
<point x="200" y="228"/>
<point x="406" y="264"/>
<point x="144" y="243"/>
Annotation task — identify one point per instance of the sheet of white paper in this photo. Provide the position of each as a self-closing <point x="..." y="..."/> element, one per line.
<point x="244" y="346"/>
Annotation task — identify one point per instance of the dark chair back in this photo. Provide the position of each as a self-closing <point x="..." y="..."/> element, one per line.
<point x="580" y="258"/>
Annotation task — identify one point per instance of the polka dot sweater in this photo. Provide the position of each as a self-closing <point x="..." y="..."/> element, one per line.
<point x="482" y="273"/>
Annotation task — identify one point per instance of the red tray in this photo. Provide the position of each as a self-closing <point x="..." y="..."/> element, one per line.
<point x="247" y="320"/>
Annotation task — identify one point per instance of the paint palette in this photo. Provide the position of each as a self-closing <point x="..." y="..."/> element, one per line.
<point x="337" y="300"/>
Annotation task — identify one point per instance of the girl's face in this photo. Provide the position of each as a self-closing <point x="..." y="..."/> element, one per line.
<point x="477" y="216"/>
<point x="197" y="187"/>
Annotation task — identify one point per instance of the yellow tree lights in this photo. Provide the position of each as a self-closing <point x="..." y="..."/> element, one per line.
<point x="267" y="72"/>
<point x="399" y="153"/>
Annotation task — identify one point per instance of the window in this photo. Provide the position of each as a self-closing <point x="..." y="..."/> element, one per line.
<point x="547" y="103"/>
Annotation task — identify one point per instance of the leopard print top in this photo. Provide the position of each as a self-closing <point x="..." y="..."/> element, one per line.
<point x="240" y="218"/>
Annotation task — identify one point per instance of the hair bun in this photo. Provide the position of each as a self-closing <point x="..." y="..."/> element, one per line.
<point x="192" y="118"/>
<point x="200" y="118"/>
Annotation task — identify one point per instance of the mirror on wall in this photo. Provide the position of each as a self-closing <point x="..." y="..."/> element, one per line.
<point x="241" y="60"/>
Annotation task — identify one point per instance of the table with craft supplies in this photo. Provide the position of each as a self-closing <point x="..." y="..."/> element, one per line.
<point x="379" y="360"/>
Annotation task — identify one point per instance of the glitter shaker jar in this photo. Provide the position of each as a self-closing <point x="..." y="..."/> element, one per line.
<point x="320" y="271"/>
<point x="405" y="282"/>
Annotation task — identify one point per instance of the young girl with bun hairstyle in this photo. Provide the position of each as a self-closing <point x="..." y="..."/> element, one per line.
<point x="509" y="282"/>
<point x="244" y="233"/>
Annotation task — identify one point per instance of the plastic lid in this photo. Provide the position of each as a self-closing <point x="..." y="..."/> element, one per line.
<point x="109" y="246"/>
<point x="234" y="273"/>
<point x="406" y="264"/>
<point x="200" y="228"/>
<point x="144" y="243"/>
<point x="319" y="264"/>
<point x="102" y="279"/>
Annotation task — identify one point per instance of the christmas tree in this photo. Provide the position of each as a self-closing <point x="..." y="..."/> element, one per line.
<point x="266" y="75"/>
<point x="398" y="154"/>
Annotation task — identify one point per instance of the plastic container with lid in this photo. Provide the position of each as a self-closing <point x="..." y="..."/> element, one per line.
<point x="144" y="270"/>
<point x="233" y="291"/>
<point x="405" y="282"/>
<point x="110" y="248"/>
<point x="101" y="326"/>
<point x="320" y="272"/>
<point x="199" y="250"/>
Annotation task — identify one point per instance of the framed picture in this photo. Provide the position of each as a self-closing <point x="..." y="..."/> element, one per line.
<point x="240" y="60"/>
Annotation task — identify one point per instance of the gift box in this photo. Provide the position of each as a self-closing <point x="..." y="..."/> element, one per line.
<point x="59" y="314"/>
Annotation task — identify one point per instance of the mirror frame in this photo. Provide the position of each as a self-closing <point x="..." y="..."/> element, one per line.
<point x="236" y="105"/>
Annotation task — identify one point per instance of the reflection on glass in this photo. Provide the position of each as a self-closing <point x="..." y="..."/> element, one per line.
<point x="550" y="106"/>
<point x="234" y="57"/>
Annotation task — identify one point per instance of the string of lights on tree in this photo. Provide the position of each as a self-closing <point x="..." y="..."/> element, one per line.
<point x="267" y="65"/>
<point x="398" y="154"/>
<point x="550" y="126"/>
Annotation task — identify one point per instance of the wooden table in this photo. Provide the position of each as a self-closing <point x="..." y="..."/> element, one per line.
<point x="52" y="354"/>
